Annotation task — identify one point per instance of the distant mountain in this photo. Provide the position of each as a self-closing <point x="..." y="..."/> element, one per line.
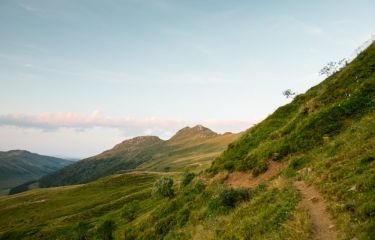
<point x="19" y="166"/>
<point x="190" y="148"/>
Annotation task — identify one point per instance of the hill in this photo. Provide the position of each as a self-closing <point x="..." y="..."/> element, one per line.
<point x="306" y="172"/>
<point x="190" y="148"/>
<point x="18" y="166"/>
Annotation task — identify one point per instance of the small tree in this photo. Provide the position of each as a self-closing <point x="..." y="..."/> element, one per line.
<point x="289" y="94"/>
<point x="333" y="67"/>
<point x="106" y="229"/>
<point x="164" y="187"/>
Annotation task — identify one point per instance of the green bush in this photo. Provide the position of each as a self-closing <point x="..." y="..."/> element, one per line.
<point x="198" y="187"/>
<point x="227" y="199"/>
<point x="164" y="187"/>
<point x="130" y="210"/>
<point x="187" y="178"/>
<point x="230" y="196"/>
<point x="105" y="230"/>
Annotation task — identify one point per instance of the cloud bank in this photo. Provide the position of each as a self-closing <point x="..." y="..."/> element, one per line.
<point x="130" y="126"/>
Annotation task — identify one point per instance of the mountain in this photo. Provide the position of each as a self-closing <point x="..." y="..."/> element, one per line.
<point x="189" y="148"/>
<point x="18" y="166"/>
<point x="305" y="172"/>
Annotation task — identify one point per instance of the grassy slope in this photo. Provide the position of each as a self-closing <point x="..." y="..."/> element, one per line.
<point x="310" y="120"/>
<point x="191" y="148"/>
<point x="195" y="211"/>
<point x="48" y="213"/>
<point x="192" y="155"/>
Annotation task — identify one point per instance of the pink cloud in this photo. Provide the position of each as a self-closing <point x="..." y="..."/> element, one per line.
<point x="53" y="121"/>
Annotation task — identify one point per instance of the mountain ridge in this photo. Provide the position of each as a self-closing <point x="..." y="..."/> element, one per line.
<point x="195" y="147"/>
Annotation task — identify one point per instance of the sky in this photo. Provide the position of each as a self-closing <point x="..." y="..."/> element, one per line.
<point x="77" y="77"/>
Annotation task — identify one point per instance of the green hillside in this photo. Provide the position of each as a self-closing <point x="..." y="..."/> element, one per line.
<point x="306" y="172"/>
<point x="47" y="213"/>
<point x="190" y="148"/>
<point x="310" y="121"/>
<point x="17" y="167"/>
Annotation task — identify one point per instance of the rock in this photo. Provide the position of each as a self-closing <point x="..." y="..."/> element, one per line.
<point x="353" y="188"/>
<point x="331" y="226"/>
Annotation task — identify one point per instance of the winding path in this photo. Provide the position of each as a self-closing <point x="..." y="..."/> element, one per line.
<point x="313" y="202"/>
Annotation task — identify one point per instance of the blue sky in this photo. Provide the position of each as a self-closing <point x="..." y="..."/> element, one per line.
<point x="79" y="76"/>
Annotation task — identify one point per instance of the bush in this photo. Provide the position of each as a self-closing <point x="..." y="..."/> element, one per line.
<point x="199" y="187"/>
<point x="130" y="210"/>
<point x="230" y="196"/>
<point x="227" y="199"/>
<point x="164" y="187"/>
<point x="106" y="229"/>
<point x="187" y="178"/>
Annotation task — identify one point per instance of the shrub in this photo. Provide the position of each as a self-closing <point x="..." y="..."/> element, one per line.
<point x="130" y="210"/>
<point x="230" y="196"/>
<point x="199" y="187"/>
<point x="164" y="187"/>
<point x="227" y="199"/>
<point x="106" y="229"/>
<point x="187" y="178"/>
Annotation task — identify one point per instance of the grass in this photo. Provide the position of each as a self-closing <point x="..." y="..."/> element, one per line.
<point x="322" y="112"/>
<point x="43" y="213"/>
<point x="145" y="154"/>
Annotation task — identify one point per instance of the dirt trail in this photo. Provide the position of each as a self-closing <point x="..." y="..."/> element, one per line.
<point x="246" y="179"/>
<point x="313" y="202"/>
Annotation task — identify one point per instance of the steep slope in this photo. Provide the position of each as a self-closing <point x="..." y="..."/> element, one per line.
<point x="19" y="166"/>
<point x="327" y="136"/>
<point x="191" y="148"/>
<point x="309" y="121"/>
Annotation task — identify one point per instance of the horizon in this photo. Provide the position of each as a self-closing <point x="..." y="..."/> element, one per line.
<point x="79" y="77"/>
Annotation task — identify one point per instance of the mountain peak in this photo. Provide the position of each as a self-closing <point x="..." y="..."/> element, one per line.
<point x="197" y="131"/>
<point x="138" y="142"/>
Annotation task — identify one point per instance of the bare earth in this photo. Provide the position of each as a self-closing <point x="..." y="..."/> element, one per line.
<point x="246" y="179"/>
<point x="313" y="202"/>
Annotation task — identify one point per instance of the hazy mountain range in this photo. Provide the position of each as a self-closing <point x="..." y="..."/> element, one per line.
<point x="19" y="166"/>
